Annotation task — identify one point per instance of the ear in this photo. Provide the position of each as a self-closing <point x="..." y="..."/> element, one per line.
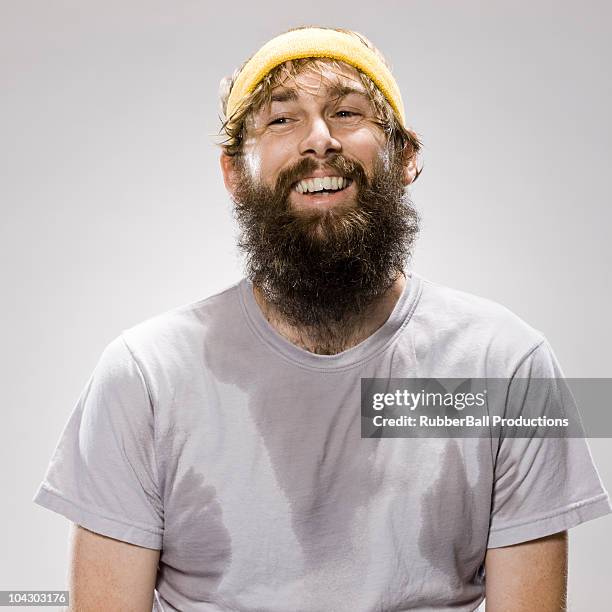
<point x="410" y="166"/>
<point x="229" y="172"/>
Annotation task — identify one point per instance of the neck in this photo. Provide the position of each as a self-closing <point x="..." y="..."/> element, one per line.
<point x="333" y="339"/>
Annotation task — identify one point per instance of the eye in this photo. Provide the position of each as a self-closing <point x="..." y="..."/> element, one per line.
<point x="279" y="121"/>
<point x="346" y="114"/>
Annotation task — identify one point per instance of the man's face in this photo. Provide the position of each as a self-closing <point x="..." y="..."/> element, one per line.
<point x="324" y="256"/>
<point x="313" y="118"/>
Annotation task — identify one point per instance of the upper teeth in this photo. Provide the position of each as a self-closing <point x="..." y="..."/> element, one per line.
<point x="318" y="184"/>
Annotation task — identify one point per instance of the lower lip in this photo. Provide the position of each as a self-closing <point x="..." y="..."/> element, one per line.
<point x="323" y="199"/>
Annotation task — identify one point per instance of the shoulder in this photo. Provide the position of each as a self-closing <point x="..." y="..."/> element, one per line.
<point x="174" y="341"/>
<point x="453" y="325"/>
<point x="452" y="307"/>
<point x="181" y="322"/>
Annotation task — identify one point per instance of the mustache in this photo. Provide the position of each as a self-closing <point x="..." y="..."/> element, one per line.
<point x="344" y="166"/>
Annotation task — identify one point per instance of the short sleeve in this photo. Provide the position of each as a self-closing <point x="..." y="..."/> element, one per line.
<point x="542" y="485"/>
<point x="102" y="474"/>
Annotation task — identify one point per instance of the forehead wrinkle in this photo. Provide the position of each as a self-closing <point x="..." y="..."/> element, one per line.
<point x="336" y="78"/>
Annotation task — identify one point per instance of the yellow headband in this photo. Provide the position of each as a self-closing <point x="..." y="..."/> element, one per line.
<point x="315" y="42"/>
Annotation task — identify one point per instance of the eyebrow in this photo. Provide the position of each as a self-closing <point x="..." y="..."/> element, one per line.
<point x="340" y="91"/>
<point x="284" y="95"/>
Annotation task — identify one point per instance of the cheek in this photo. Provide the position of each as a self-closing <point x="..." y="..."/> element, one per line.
<point x="374" y="157"/>
<point x="384" y="158"/>
<point x="274" y="159"/>
<point x="252" y="163"/>
<point x="369" y="145"/>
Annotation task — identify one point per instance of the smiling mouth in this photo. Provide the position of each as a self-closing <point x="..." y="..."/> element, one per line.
<point x="321" y="186"/>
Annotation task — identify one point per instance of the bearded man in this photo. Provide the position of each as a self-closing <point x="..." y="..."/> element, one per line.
<point x="215" y="460"/>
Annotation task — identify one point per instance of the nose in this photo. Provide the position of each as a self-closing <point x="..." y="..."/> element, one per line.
<point x="319" y="141"/>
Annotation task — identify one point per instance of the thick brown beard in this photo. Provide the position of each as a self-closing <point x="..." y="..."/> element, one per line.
<point x="323" y="268"/>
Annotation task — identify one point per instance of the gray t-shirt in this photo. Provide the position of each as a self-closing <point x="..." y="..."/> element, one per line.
<point x="206" y="434"/>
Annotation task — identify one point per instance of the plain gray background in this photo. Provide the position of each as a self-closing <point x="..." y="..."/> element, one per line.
<point x="114" y="209"/>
